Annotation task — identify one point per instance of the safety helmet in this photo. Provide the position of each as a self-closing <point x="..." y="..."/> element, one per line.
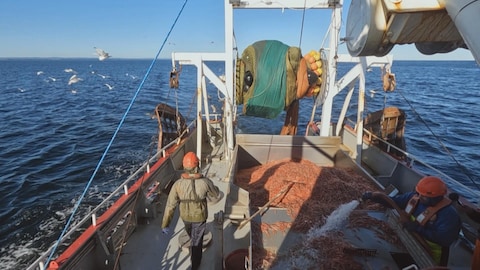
<point x="431" y="186"/>
<point x="190" y="161"/>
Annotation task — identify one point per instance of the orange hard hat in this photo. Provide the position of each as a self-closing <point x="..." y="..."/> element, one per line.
<point x="190" y="161"/>
<point x="431" y="186"/>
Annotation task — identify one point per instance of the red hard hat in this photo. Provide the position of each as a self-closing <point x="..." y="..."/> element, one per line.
<point x="431" y="186"/>
<point x="190" y="161"/>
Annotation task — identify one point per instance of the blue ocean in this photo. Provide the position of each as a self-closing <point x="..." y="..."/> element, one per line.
<point x="53" y="134"/>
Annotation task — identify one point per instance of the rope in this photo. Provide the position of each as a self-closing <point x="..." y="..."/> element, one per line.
<point x="113" y="138"/>
<point x="441" y="143"/>
<point x="303" y="21"/>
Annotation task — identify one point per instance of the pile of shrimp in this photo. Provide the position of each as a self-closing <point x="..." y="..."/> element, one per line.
<point x="315" y="193"/>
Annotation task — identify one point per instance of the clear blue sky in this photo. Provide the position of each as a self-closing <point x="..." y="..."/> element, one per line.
<point x="137" y="28"/>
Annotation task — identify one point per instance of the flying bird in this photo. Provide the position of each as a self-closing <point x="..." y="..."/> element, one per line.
<point x="131" y="76"/>
<point x="214" y="109"/>
<point x="109" y="86"/>
<point x="74" y="79"/>
<point x="39" y="72"/>
<point x="102" y="55"/>
<point x="69" y="70"/>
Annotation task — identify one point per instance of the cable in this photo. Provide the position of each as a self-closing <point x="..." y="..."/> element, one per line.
<point x="303" y="21"/>
<point x="113" y="138"/>
<point x="441" y="143"/>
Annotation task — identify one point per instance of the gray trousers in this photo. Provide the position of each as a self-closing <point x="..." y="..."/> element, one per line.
<point x="195" y="230"/>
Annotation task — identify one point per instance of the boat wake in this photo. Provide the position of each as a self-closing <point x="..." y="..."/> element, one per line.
<point x="25" y="245"/>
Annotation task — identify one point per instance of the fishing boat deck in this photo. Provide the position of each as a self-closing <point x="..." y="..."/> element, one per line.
<point x="149" y="248"/>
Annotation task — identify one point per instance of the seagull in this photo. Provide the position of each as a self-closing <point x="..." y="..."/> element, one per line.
<point x="109" y="86"/>
<point x="103" y="76"/>
<point x="222" y="77"/>
<point x="53" y="79"/>
<point x="69" y="70"/>
<point x="21" y="89"/>
<point x="102" y="55"/>
<point x="131" y="76"/>
<point x="39" y="72"/>
<point x="74" y="79"/>
<point x="74" y="91"/>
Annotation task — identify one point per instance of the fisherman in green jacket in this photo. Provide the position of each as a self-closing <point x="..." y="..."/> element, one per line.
<point x="191" y="192"/>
